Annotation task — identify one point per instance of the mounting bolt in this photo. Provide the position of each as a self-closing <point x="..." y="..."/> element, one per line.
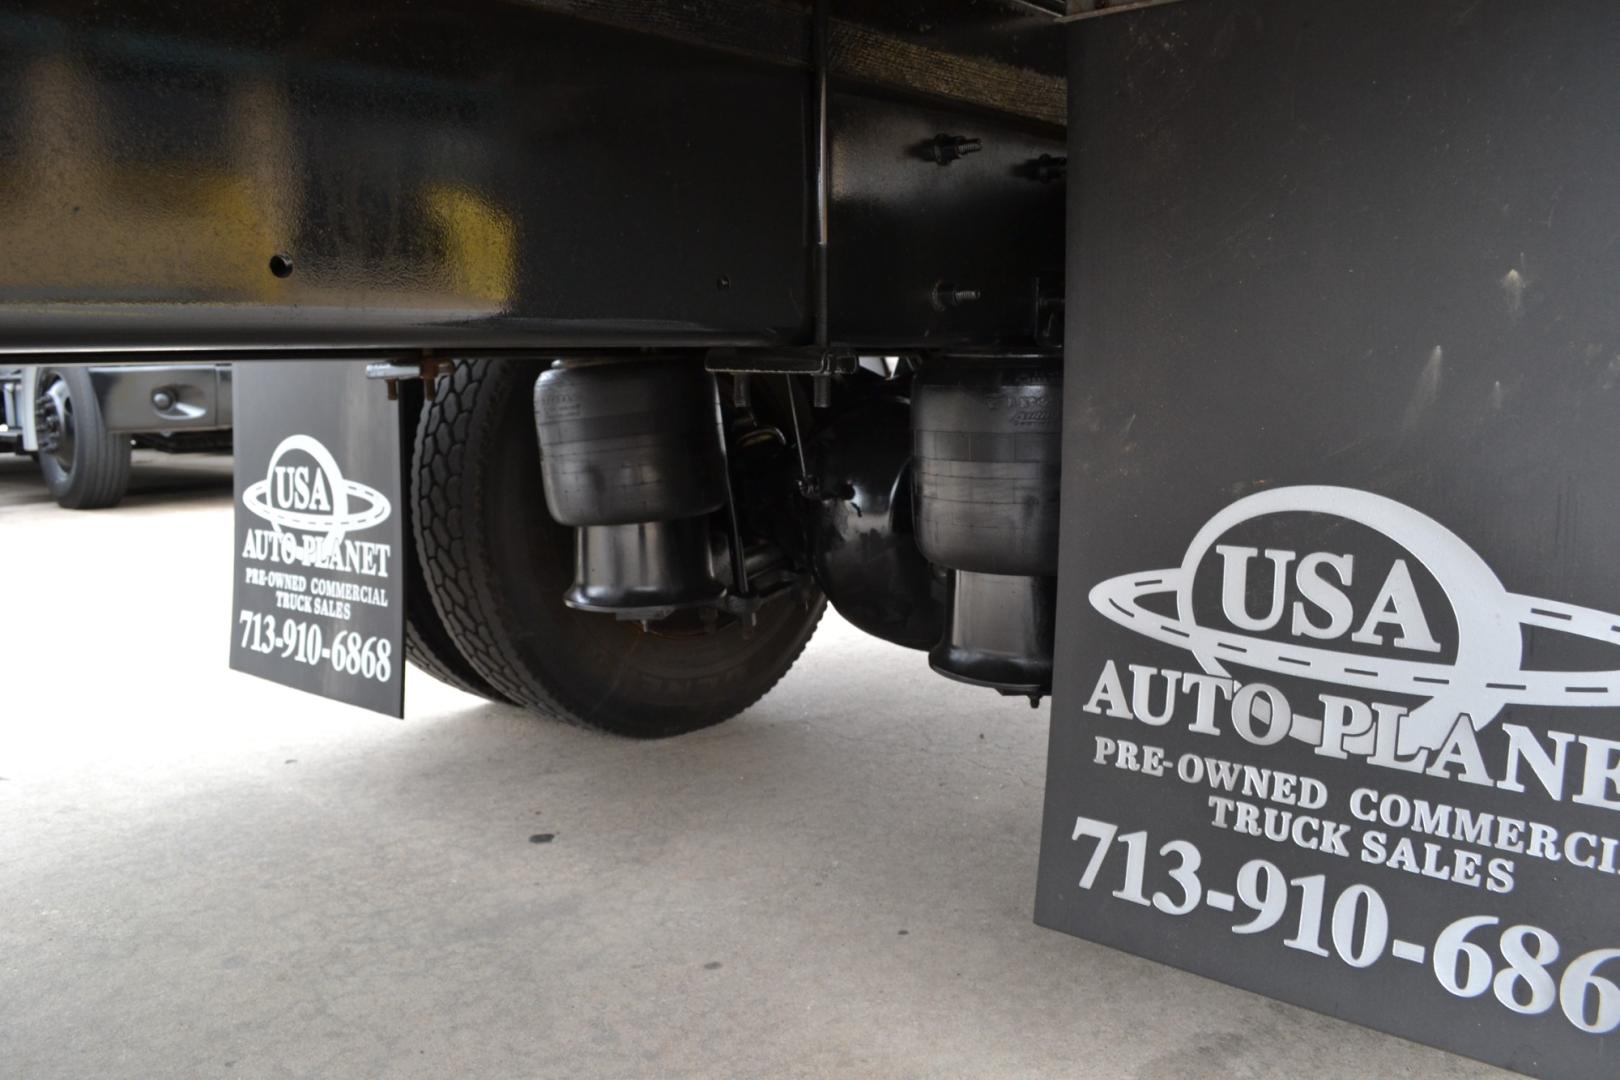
<point x="947" y="296"/>
<point x="945" y="149"/>
<point x="1049" y="169"/>
<point x="163" y="399"/>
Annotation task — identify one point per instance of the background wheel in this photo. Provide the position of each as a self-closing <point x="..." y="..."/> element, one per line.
<point x="497" y="566"/>
<point x="86" y="467"/>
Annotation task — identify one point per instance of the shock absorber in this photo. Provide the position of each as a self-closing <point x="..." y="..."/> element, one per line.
<point x="632" y="455"/>
<point x="987" y="442"/>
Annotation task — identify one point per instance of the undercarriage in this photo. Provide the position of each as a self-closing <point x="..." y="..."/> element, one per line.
<point x="729" y="312"/>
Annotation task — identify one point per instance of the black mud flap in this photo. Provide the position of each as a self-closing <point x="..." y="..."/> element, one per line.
<point x="1337" y="711"/>
<point x="320" y="532"/>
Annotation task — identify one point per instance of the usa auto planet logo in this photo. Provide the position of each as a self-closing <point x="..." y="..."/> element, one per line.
<point x="1410" y="652"/>
<point x="311" y="507"/>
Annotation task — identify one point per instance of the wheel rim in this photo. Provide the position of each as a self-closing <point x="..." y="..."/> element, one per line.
<point x="54" y="421"/>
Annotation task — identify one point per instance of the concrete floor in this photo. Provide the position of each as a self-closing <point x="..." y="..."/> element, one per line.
<point x="205" y="875"/>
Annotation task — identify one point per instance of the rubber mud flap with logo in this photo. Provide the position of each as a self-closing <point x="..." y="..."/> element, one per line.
<point x="1337" y="665"/>
<point x="319" y="592"/>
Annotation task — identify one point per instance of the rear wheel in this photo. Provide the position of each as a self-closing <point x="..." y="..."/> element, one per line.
<point x="497" y="566"/>
<point x="427" y="642"/>
<point x="86" y="467"/>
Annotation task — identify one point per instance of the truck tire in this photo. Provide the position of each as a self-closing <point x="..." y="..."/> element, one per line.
<point x="497" y="566"/>
<point x="86" y="467"/>
<point x="427" y="642"/>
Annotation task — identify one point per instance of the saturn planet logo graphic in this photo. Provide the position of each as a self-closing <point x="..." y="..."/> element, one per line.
<point x="1386" y="645"/>
<point x="308" y="502"/>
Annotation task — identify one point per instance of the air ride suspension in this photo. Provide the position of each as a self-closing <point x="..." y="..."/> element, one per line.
<point x="987" y="455"/>
<point x="633" y="457"/>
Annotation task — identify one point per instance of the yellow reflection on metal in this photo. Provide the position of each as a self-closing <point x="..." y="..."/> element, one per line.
<point x="480" y="243"/>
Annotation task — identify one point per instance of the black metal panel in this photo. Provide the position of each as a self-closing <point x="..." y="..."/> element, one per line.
<point x="292" y="174"/>
<point x="907" y="229"/>
<point x="483" y="174"/>
<point x="1343" y="283"/>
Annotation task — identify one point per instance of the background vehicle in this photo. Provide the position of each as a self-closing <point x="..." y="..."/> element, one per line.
<point x="81" y="423"/>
